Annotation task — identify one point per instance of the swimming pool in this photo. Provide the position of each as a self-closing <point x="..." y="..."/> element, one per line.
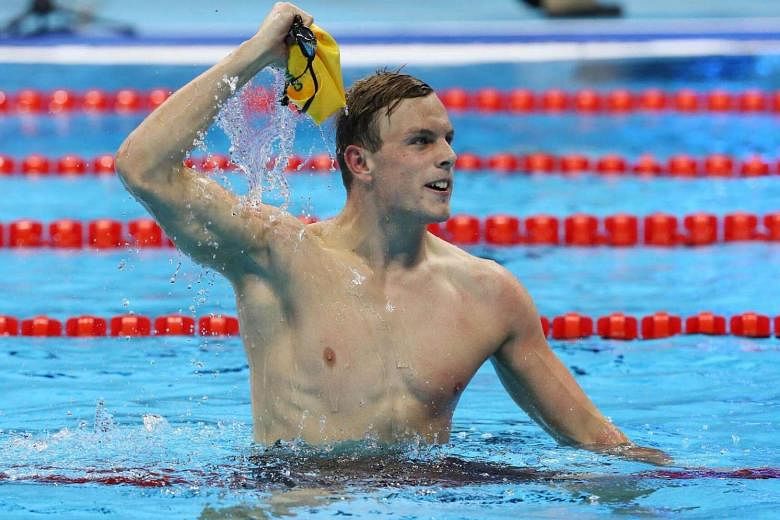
<point x="160" y="426"/>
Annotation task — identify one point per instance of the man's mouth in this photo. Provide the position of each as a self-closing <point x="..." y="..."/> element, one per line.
<point x="442" y="185"/>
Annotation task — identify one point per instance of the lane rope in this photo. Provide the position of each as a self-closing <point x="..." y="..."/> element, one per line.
<point x="678" y="165"/>
<point x="519" y="101"/>
<point x="578" y="230"/>
<point x="568" y="326"/>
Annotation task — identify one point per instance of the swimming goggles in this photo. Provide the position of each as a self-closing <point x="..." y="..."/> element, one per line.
<point x="307" y="43"/>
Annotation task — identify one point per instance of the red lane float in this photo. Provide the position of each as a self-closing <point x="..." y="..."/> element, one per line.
<point x="66" y="233"/>
<point x="71" y="165"/>
<point x="542" y="230"/>
<point x="30" y="101"/>
<point x="706" y="323"/>
<point x="660" y="229"/>
<point x="145" y="232"/>
<point x="682" y="166"/>
<point x="660" y="325"/>
<point x="620" y="100"/>
<point x="131" y="325"/>
<point x="85" y="326"/>
<point x="9" y="326"/>
<point x="572" y="326"/>
<point x="41" y="326"/>
<point x="580" y="230"/>
<point x="720" y="101"/>
<point x="617" y="326"/>
<point x="25" y="233"/>
<point x="772" y="225"/>
<point x="587" y="101"/>
<point x="754" y="166"/>
<point x="538" y="163"/>
<point x="463" y="229"/>
<point x="218" y="326"/>
<point x="652" y="100"/>
<point x="96" y="100"/>
<point x="554" y="100"/>
<point x="611" y="164"/>
<point x="503" y="162"/>
<point x="647" y="165"/>
<point x="62" y="100"/>
<point x="320" y="163"/>
<point x="216" y="162"/>
<point x="719" y="165"/>
<point x="157" y="97"/>
<point x="575" y="163"/>
<point x="105" y="234"/>
<point x="753" y="101"/>
<point x="36" y="164"/>
<point x="740" y="226"/>
<point x="103" y="164"/>
<point x="521" y="100"/>
<point x="128" y="100"/>
<point x="502" y="230"/>
<point x="7" y="165"/>
<point x="622" y="230"/>
<point x="489" y="100"/>
<point x="456" y="99"/>
<point x="686" y="100"/>
<point x="174" y="325"/>
<point x="702" y="229"/>
<point x="750" y="325"/>
<point x="468" y="162"/>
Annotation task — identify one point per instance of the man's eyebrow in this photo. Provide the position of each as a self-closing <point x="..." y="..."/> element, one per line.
<point x="428" y="132"/>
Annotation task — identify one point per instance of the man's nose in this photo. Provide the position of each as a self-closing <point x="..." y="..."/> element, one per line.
<point x="447" y="160"/>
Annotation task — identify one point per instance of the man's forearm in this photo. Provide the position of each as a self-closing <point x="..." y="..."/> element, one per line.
<point x="164" y="137"/>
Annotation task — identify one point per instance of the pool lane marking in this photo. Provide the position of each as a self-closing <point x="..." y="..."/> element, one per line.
<point x="399" y="54"/>
<point x="144" y="478"/>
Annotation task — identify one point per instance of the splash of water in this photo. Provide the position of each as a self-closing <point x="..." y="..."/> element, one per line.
<point x="260" y="153"/>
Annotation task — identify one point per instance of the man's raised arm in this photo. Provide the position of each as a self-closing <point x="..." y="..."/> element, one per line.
<point x="538" y="381"/>
<point x="201" y="216"/>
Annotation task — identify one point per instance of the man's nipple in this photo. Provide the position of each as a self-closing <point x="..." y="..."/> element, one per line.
<point x="329" y="356"/>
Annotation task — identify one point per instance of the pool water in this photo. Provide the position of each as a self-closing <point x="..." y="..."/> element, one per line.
<point x="161" y="426"/>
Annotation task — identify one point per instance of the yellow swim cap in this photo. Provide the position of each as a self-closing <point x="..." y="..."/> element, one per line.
<point x="315" y="86"/>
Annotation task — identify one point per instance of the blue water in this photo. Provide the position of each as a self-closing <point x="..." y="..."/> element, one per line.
<point x="129" y="412"/>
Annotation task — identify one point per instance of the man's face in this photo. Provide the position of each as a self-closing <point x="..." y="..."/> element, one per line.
<point x="413" y="170"/>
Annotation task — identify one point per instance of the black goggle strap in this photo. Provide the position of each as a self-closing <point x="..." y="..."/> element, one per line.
<point x="309" y="68"/>
<point x="306" y="41"/>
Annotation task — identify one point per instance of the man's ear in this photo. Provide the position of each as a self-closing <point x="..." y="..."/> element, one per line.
<point x="358" y="161"/>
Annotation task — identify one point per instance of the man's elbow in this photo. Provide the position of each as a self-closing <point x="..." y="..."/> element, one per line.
<point x="128" y="163"/>
<point x="137" y="167"/>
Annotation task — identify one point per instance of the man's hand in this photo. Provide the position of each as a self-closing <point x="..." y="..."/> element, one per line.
<point x="640" y="454"/>
<point x="276" y="26"/>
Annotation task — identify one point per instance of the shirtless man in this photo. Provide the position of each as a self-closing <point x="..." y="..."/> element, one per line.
<point x="364" y="325"/>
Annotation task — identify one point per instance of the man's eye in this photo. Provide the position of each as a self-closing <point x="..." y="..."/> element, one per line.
<point x="420" y="140"/>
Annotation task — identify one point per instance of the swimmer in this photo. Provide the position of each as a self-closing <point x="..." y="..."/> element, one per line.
<point x="364" y="325"/>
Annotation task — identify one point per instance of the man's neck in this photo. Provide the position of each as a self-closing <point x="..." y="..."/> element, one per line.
<point x="383" y="240"/>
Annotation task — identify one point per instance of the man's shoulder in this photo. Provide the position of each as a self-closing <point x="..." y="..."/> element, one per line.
<point x="487" y="274"/>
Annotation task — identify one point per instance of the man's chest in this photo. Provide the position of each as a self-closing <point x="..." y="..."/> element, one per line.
<point x="425" y="341"/>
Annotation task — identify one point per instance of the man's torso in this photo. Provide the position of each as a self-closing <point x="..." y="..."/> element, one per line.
<point x="337" y="353"/>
